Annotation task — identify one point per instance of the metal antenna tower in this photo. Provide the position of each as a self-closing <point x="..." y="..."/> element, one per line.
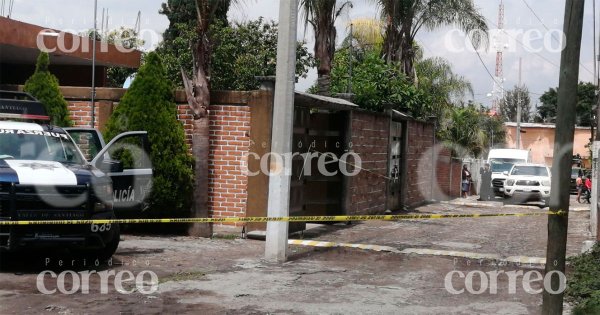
<point x="499" y="43"/>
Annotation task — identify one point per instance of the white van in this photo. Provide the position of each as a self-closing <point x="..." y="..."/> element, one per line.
<point x="502" y="160"/>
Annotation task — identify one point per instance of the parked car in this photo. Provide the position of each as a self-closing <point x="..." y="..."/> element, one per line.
<point x="44" y="175"/>
<point x="528" y="182"/>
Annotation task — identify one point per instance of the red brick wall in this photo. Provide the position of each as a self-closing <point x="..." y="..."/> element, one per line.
<point x="184" y="114"/>
<point x="229" y="142"/>
<point x="81" y="113"/>
<point x="370" y="140"/>
<point x="419" y="162"/>
<point x="448" y="171"/>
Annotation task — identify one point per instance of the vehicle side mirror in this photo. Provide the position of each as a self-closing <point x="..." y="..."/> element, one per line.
<point x="505" y="173"/>
<point x="111" y="166"/>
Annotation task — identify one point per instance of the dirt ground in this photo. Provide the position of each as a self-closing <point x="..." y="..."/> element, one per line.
<point x="228" y="276"/>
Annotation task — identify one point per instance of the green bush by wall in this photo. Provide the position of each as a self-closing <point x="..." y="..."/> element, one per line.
<point x="148" y="105"/>
<point x="43" y="85"/>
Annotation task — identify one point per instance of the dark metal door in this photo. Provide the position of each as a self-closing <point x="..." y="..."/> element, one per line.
<point x="395" y="165"/>
<point x="313" y="193"/>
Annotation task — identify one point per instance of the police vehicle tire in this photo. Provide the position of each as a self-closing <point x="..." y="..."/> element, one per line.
<point x="111" y="247"/>
<point x="102" y="254"/>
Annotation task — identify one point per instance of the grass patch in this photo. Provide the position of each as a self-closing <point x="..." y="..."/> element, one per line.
<point x="183" y="276"/>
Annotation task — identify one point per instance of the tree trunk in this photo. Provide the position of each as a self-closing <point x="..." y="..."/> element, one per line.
<point x="390" y="45"/>
<point x="324" y="50"/>
<point x="407" y="59"/>
<point x="200" y="149"/>
<point x="324" y="85"/>
<point x="198" y="97"/>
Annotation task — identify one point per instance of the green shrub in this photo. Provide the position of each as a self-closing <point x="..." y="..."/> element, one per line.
<point x="148" y="105"/>
<point x="583" y="284"/>
<point x="43" y="85"/>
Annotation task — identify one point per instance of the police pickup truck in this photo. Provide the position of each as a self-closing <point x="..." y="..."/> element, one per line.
<point x="53" y="173"/>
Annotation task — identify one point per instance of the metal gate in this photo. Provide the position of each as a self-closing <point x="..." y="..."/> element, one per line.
<point x="313" y="193"/>
<point x="394" y="196"/>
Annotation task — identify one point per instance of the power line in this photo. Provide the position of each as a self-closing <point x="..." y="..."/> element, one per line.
<point x="494" y="78"/>
<point x="551" y="34"/>
<point x="523" y="45"/>
<point x="488" y="71"/>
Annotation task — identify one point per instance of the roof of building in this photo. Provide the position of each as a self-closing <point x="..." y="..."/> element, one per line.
<point x="325" y="102"/>
<point x="20" y="43"/>
<point x="538" y="125"/>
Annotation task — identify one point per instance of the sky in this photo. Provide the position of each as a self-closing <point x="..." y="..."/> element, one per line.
<point x="540" y="60"/>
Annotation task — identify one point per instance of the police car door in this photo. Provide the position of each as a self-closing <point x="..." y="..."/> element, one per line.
<point x="126" y="159"/>
<point x="89" y="140"/>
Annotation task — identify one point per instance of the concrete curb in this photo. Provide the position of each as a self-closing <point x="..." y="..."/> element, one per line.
<point x="519" y="260"/>
<point x="498" y="204"/>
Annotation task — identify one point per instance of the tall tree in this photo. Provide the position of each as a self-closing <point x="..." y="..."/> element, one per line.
<point x="377" y="85"/>
<point x="586" y="100"/>
<point x="184" y="11"/>
<point x="508" y="107"/>
<point x="197" y="91"/>
<point x="241" y="51"/>
<point x="44" y="86"/>
<point x="464" y="131"/>
<point x="444" y="87"/>
<point x="321" y="15"/>
<point x="546" y="112"/>
<point x="405" y="18"/>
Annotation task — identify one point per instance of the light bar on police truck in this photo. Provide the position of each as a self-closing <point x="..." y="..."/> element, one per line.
<point x="20" y="105"/>
<point x="24" y="116"/>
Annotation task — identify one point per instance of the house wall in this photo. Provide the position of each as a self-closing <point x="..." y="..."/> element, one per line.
<point x="230" y="138"/>
<point x="448" y="172"/>
<point x="540" y="142"/>
<point x="370" y="140"/>
<point x="419" y="155"/>
<point x="240" y="123"/>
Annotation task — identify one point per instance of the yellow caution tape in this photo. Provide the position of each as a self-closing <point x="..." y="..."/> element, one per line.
<point x="339" y="218"/>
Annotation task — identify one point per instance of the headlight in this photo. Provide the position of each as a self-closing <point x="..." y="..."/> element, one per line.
<point x="546" y="183"/>
<point x="510" y="182"/>
<point x="104" y="196"/>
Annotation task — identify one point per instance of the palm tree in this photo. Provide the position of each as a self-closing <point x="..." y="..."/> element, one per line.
<point x="403" y="19"/>
<point x="198" y="96"/>
<point x="435" y="76"/>
<point x="462" y="131"/>
<point x="321" y="15"/>
<point x="366" y="34"/>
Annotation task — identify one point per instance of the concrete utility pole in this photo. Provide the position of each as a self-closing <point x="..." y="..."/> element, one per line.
<point x="519" y="108"/>
<point x="281" y="138"/>
<point x="94" y="67"/>
<point x="594" y="218"/>
<point x="563" y="155"/>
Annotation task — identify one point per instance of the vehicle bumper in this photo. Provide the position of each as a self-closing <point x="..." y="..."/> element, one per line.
<point x="21" y="237"/>
<point x="528" y="194"/>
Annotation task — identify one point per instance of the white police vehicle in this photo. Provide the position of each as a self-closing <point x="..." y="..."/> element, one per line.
<point x="44" y="175"/>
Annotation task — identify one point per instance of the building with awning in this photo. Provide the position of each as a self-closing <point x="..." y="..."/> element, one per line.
<point x="70" y="55"/>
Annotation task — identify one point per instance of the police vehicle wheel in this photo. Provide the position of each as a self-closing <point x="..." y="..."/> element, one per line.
<point x="111" y="247"/>
<point x="102" y="254"/>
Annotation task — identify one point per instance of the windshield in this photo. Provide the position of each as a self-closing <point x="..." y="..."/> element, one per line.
<point x="575" y="172"/>
<point x="500" y="165"/>
<point x="38" y="145"/>
<point x="530" y="171"/>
